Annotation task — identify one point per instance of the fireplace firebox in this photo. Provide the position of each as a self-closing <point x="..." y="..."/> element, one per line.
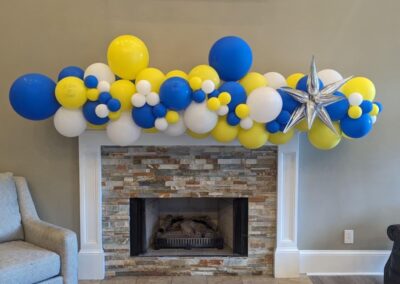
<point x="188" y="226"/>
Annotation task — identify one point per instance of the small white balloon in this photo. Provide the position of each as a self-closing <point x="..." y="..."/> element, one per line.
<point x="103" y="86"/>
<point x="143" y="87"/>
<point x="373" y="118"/>
<point x="246" y="123"/>
<point x="199" y="119"/>
<point x="208" y="86"/>
<point x="265" y="104"/>
<point x="153" y="99"/>
<point x="69" y="122"/>
<point x="223" y="110"/>
<point x="161" y="124"/>
<point x="102" y="110"/>
<point x="123" y="131"/>
<point x="275" y="80"/>
<point x="176" y="129"/>
<point x="355" y="99"/>
<point x="138" y="100"/>
<point x="101" y="71"/>
<point x="329" y="76"/>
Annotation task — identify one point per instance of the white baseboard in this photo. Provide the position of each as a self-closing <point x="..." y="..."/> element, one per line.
<point x="343" y="262"/>
<point x="91" y="265"/>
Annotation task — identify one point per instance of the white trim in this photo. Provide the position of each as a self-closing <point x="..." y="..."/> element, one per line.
<point x="343" y="262"/>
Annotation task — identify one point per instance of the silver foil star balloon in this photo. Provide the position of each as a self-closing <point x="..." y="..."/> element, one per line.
<point x="314" y="101"/>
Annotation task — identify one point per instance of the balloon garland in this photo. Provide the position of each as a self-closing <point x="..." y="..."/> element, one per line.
<point x="222" y="99"/>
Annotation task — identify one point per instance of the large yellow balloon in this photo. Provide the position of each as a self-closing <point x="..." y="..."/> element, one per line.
<point x="154" y="76"/>
<point x="71" y="92"/>
<point x="197" y="135"/>
<point x="127" y="55"/>
<point x="293" y="79"/>
<point x="254" y="137"/>
<point x="205" y="72"/>
<point x="223" y="132"/>
<point x="253" y="80"/>
<point x="177" y="73"/>
<point x="361" y="85"/>
<point x="321" y="137"/>
<point x="123" y="90"/>
<point x="302" y="125"/>
<point x="279" y="138"/>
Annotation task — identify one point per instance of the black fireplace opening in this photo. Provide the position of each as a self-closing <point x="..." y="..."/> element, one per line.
<point x="189" y="226"/>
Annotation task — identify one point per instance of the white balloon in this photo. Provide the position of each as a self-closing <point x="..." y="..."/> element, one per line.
<point x="275" y="80"/>
<point x="143" y="87"/>
<point x="123" y="131"/>
<point x="223" y="110"/>
<point x="199" y="119"/>
<point x="329" y="76"/>
<point x="355" y="99"/>
<point x="69" y="122"/>
<point x="153" y="99"/>
<point x="101" y="71"/>
<point x="103" y="86"/>
<point x="161" y="124"/>
<point x="246" y="123"/>
<point x="373" y="119"/>
<point x="176" y="129"/>
<point x="265" y="104"/>
<point x="208" y="86"/>
<point x="138" y="100"/>
<point x="102" y="111"/>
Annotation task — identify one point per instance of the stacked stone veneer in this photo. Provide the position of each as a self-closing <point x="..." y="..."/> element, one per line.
<point x="180" y="171"/>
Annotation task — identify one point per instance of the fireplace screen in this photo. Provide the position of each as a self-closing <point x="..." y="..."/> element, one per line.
<point x="188" y="226"/>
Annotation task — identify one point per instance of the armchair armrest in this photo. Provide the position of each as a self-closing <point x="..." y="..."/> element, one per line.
<point x="393" y="232"/>
<point x="56" y="239"/>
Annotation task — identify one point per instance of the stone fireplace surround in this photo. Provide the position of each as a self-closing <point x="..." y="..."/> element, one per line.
<point x="91" y="254"/>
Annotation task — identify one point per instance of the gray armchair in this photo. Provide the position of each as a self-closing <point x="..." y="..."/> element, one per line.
<point x="32" y="251"/>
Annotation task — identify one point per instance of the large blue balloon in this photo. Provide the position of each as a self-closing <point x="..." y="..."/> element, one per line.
<point x="32" y="96"/>
<point x="356" y="128"/>
<point x="338" y="110"/>
<point x="89" y="112"/>
<point x="302" y="84"/>
<point x="143" y="116"/>
<point x="237" y="92"/>
<point x="69" y="71"/>
<point x="175" y="93"/>
<point x="288" y="102"/>
<point x="231" y="57"/>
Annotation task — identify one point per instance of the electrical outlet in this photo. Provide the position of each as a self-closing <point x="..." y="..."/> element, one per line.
<point x="349" y="236"/>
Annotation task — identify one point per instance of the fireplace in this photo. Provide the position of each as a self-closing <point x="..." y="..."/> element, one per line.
<point x="188" y="227"/>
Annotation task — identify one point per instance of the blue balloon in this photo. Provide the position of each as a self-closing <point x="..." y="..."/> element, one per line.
<point x="91" y="81"/>
<point x="356" y="128"/>
<point x="71" y="71"/>
<point x="114" y="105"/>
<point x="159" y="110"/>
<point x="104" y="97"/>
<point x="283" y="117"/>
<point x="380" y="106"/>
<point x="288" y="102"/>
<point x="302" y="84"/>
<point x="32" y="96"/>
<point x="338" y="110"/>
<point x="214" y="94"/>
<point x="199" y="96"/>
<point x="89" y="112"/>
<point x="237" y="92"/>
<point x="366" y="106"/>
<point x="175" y="93"/>
<point x="272" y="126"/>
<point x="143" y="116"/>
<point x="231" y="57"/>
<point x="232" y="119"/>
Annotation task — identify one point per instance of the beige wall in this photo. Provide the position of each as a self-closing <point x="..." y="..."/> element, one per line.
<point x="354" y="186"/>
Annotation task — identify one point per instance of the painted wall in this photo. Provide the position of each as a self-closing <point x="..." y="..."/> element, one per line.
<point x="354" y="186"/>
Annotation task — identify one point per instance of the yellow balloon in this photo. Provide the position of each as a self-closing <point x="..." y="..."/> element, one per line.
<point x="242" y="111"/>
<point x="224" y="98"/>
<point x="123" y="90"/>
<point x="205" y="72"/>
<point x="254" y="137"/>
<point x="213" y="104"/>
<point x="293" y="79"/>
<point x="197" y="135"/>
<point x="71" y="92"/>
<point x="195" y="83"/>
<point x="114" y="115"/>
<point x="172" y="117"/>
<point x="177" y="73"/>
<point x="92" y="94"/>
<point x="253" y="80"/>
<point x="279" y="138"/>
<point x="127" y="55"/>
<point x="302" y="125"/>
<point x="354" y="112"/>
<point x="223" y="132"/>
<point x="375" y="110"/>
<point x="361" y="85"/>
<point x="150" y="130"/>
<point x="96" y="127"/>
<point x="154" y="76"/>
<point x="321" y="137"/>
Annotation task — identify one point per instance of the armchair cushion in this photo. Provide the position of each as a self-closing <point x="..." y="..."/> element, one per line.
<point x="22" y="262"/>
<point x="10" y="221"/>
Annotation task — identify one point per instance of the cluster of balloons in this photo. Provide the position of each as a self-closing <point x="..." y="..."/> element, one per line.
<point x="222" y="99"/>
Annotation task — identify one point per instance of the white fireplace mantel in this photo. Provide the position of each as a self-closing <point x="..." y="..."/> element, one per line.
<point x="91" y="254"/>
